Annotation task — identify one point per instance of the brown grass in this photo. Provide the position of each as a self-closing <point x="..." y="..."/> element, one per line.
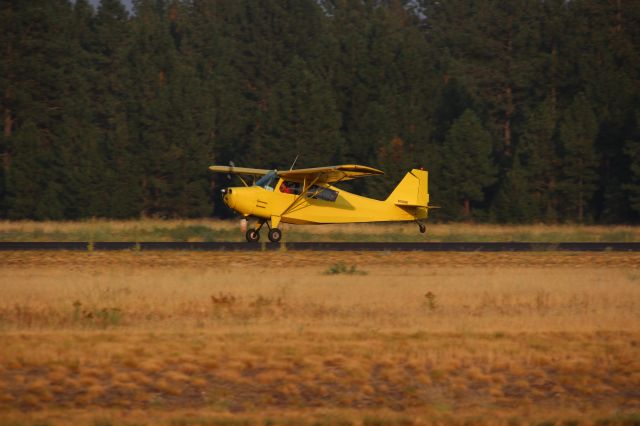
<point x="179" y="336"/>
<point x="469" y="292"/>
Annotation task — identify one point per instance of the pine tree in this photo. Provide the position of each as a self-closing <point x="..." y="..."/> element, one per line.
<point x="210" y="44"/>
<point x="357" y="81"/>
<point x="7" y="103"/>
<point x="468" y="168"/>
<point x="29" y="194"/>
<point x="262" y="38"/>
<point x="171" y="146"/>
<point x="121" y="184"/>
<point x="78" y="149"/>
<point x="514" y="203"/>
<point x="44" y="93"/>
<point x="578" y="132"/>
<point x="611" y="66"/>
<point x="383" y="88"/>
<point x="632" y="152"/>
<point x="300" y="119"/>
<point x="492" y="48"/>
<point x="633" y="187"/>
<point x="538" y="154"/>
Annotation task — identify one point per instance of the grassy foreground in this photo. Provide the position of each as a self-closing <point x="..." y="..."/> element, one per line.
<point x="218" y="230"/>
<point x="319" y="338"/>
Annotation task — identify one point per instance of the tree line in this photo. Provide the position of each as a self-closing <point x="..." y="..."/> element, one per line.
<point x="522" y="111"/>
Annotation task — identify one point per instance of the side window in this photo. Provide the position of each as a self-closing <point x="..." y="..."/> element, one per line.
<point x="316" y="192"/>
<point x="290" y="187"/>
<point x="321" y="193"/>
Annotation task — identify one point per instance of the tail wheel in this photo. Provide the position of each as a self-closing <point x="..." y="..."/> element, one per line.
<point x="253" y="236"/>
<point x="275" y="234"/>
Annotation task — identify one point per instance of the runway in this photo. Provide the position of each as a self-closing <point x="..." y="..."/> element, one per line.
<point x="324" y="246"/>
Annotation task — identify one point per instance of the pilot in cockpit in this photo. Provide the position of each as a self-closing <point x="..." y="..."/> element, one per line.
<point x="290" y="188"/>
<point x="284" y="187"/>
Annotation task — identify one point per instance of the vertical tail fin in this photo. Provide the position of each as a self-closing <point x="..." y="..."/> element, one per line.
<point x="412" y="190"/>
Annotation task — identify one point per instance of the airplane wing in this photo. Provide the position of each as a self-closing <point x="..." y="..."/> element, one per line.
<point x="330" y="174"/>
<point x="239" y="170"/>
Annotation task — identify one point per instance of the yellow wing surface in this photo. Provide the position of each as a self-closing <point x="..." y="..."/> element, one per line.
<point x="239" y="170"/>
<point x="329" y="174"/>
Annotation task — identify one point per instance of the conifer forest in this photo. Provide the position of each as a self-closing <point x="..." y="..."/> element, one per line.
<point x="523" y="111"/>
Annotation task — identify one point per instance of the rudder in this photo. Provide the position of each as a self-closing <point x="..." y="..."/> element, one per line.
<point x="412" y="190"/>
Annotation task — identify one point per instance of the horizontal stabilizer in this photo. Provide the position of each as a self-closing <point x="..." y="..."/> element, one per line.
<point x="401" y="204"/>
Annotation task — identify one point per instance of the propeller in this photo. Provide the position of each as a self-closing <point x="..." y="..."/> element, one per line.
<point x="231" y="165"/>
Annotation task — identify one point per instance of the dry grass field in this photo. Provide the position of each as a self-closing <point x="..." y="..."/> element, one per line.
<point x="288" y="338"/>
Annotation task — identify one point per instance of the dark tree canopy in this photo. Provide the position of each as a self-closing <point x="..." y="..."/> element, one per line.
<point x="522" y="111"/>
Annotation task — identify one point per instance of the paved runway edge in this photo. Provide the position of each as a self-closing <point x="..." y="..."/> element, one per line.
<point x="319" y="246"/>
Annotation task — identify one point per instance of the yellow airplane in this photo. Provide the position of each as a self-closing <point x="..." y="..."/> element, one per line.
<point x="308" y="196"/>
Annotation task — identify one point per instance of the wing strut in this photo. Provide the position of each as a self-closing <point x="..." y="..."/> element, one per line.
<point x="305" y="188"/>
<point x="304" y="191"/>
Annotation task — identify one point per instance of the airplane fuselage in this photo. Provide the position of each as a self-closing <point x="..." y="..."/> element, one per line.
<point x="320" y="205"/>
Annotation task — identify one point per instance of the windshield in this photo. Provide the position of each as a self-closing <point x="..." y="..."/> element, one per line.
<point x="267" y="181"/>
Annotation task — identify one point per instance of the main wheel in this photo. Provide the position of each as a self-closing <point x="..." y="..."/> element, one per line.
<point x="252" y="236"/>
<point x="275" y="234"/>
<point x="422" y="228"/>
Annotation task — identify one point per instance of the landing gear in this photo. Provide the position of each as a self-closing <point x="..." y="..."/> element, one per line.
<point x="422" y="227"/>
<point x="252" y="236"/>
<point x="274" y="235"/>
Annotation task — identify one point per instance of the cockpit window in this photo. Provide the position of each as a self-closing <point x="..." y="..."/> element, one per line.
<point x="267" y="181"/>
<point x="322" y="193"/>
<point x="290" y="187"/>
<point x="315" y="191"/>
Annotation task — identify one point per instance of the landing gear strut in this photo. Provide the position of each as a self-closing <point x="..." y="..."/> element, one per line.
<point x="275" y="234"/>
